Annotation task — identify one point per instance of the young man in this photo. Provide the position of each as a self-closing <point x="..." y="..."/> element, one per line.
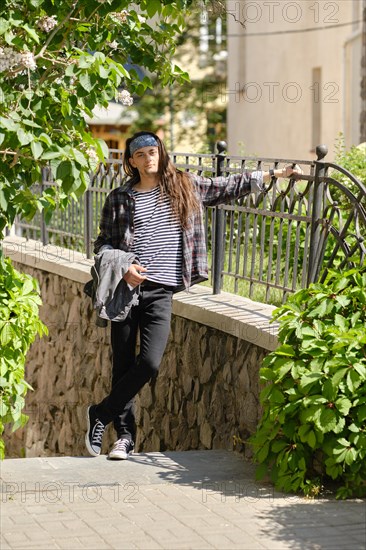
<point x="158" y="216"/>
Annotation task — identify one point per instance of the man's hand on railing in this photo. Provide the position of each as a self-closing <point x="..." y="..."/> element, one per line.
<point x="292" y="171"/>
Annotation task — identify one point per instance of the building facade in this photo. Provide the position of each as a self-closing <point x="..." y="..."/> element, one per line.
<point x="294" y="75"/>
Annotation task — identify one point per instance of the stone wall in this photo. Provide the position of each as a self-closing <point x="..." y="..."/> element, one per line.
<point x="205" y="395"/>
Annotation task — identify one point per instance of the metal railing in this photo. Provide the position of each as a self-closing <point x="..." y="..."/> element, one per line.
<point x="264" y="246"/>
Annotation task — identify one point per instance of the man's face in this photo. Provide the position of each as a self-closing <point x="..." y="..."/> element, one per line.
<point x="146" y="160"/>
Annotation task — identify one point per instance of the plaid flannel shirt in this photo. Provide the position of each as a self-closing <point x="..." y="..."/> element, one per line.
<point x="117" y="219"/>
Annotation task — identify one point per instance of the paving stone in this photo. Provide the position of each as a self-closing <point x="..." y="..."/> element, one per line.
<point x="216" y="512"/>
<point x="93" y="541"/>
<point x="69" y="543"/>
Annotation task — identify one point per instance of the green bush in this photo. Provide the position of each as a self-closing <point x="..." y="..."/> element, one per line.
<point x="353" y="160"/>
<point x="313" y="428"/>
<point x="19" y="325"/>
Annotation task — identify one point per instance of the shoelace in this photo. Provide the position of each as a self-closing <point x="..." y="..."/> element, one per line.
<point x="98" y="432"/>
<point x="122" y="445"/>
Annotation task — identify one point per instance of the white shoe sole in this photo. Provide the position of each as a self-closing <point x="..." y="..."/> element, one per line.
<point x="113" y="456"/>
<point x="87" y="443"/>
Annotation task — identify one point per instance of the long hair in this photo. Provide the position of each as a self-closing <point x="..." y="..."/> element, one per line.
<point x="173" y="183"/>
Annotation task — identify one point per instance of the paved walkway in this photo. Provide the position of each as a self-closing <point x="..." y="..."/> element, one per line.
<point x="177" y="500"/>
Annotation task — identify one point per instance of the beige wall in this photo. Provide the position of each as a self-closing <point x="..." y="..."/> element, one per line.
<point x="273" y="104"/>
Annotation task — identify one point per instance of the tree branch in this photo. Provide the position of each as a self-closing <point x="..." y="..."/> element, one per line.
<point x="14" y="153"/>
<point x="41" y="52"/>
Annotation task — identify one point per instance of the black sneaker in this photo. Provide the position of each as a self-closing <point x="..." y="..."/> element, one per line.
<point x="121" y="449"/>
<point x="94" y="434"/>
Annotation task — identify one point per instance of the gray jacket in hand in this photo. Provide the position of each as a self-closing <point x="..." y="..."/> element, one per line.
<point x="113" y="298"/>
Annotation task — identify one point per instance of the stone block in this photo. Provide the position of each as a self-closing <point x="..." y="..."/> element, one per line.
<point x="205" y="371"/>
<point x="191" y="413"/>
<point x="226" y="373"/>
<point x="146" y="398"/>
<point x="243" y="380"/>
<point x="206" y="435"/>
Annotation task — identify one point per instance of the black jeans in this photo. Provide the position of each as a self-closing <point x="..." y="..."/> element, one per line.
<point x="130" y="372"/>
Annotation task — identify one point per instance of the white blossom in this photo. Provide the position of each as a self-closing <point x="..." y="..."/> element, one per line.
<point x="113" y="45"/>
<point x="46" y="23"/>
<point x="125" y="98"/>
<point x="120" y="15"/>
<point x="27" y="59"/>
<point x="10" y="58"/>
<point x="92" y="154"/>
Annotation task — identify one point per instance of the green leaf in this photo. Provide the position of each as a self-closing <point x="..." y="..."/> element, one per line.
<point x="103" y="72"/>
<point x="343" y="300"/>
<point x="353" y="380"/>
<point x="319" y="311"/>
<point x="79" y="157"/>
<point x="340" y="425"/>
<point x="31" y="123"/>
<point x="329" y="390"/>
<point x="46" y="139"/>
<point x="286" y="367"/>
<point x="4" y="25"/>
<point x="9" y="124"/>
<point x="28" y="287"/>
<point x="70" y="70"/>
<point x="101" y="148"/>
<point x="343" y="442"/>
<point x="22" y="420"/>
<point x="31" y="32"/>
<point x="267" y="374"/>
<point x="351" y="456"/>
<point x="316" y="399"/>
<point x="3" y="201"/>
<point x="303" y="431"/>
<point x="84" y="62"/>
<point x="334" y="470"/>
<point x="153" y="7"/>
<point x="279" y="445"/>
<point x="311" y="439"/>
<point x="354" y="428"/>
<point x="48" y="155"/>
<point x="361" y="369"/>
<point x="24" y="137"/>
<point x="305" y="330"/>
<point x="341" y="284"/>
<point x="327" y="420"/>
<point x="355" y="318"/>
<point x="309" y="379"/>
<point x="338" y="376"/>
<point x="285" y="349"/>
<point x="86" y="82"/>
<point x="340" y="322"/>
<point x="262" y="454"/>
<point x="36" y="3"/>
<point x="343" y="405"/>
<point x="261" y="471"/>
<point x="276" y="396"/>
<point x="64" y="169"/>
<point x="37" y="149"/>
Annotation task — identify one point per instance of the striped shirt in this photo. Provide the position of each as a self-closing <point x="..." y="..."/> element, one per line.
<point x="117" y="220"/>
<point x="157" y="238"/>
